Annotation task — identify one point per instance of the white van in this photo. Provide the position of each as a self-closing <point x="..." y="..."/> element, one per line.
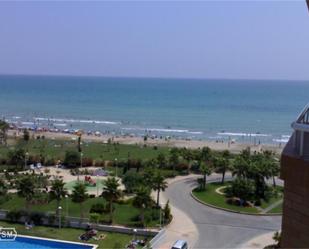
<point x="180" y="244"/>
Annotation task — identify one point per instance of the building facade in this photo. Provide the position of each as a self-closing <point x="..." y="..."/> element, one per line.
<point x="295" y="173"/>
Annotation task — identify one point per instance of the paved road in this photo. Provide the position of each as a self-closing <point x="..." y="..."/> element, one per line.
<point x="216" y="228"/>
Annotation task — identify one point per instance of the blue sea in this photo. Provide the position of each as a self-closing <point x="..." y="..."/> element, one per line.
<point x="181" y="108"/>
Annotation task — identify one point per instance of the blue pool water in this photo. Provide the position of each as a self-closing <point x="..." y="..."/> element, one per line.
<point x="31" y="243"/>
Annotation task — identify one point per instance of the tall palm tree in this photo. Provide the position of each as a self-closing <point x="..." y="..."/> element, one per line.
<point x="57" y="191"/>
<point x="240" y="167"/>
<point x="80" y="195"/>
<point x="111" y="193"/>
<point x="174" y="158"/>
<point x="26" y="189"/>
<point x="159" y="184"/>
<point x="206" y="170"/>
<point x="4" y="126"/>
<point x="222" y="165"/>
<point x="142" y="200"/>
<point x="3" y="188"/>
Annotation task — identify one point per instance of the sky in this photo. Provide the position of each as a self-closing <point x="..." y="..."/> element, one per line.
<point x="179" y="39"/>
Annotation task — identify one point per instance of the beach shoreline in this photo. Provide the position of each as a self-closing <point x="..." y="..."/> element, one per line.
<point x="234" y="147"/>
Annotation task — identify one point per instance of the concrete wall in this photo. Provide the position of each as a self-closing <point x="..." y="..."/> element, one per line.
<point x="295" y="220"/>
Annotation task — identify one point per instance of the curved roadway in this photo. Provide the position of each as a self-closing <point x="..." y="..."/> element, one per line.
<point x="213" y="228"/>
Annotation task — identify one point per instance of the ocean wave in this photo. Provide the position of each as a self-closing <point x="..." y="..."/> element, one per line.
<point x="77" y="121"/>
<point x="281" y="140"/>
<point x="240" y="134"/>
<point x="163" y="130"/>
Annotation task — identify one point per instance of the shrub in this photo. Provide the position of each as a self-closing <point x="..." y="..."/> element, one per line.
<point x="242" y="188"/>
<point x="131" y="181"/>
<point x="87" y="162"/>
<point x="14" y="215"/>
<point x="98" y="208"/>
<point x="94" y="217"/>
<point x="37" y="217"/>
<point x="72" y="159"/>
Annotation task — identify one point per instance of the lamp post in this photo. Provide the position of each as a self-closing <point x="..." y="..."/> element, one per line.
<point x="66" y="205"/>
<point x="26" y="156"/>
<point x="116" y="167"/>
<point x="81" y="165"/>
<point x="59" y="213"/>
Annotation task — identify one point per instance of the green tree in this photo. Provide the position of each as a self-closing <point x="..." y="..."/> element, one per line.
<point x="206" y="154"/>
<point x="161" y="160"/>
<point x="26" y="189"/>
<point x="132" y="180"/>
<point x="26" y="135"/>
<point x="4" y="127"/>
<point x="111" y="193"/>
<point x="158" y="184"/>
<point x="142" y="200"/>
<point x="174" y="158"/>
<point x="241" y="188"/>
<point x="221" y="165"/>
<point x="205" y="170"/>
<point x="17" y="157"/>
<point x="72" y="159"/>
<point x="240" y="166"/>
<point x="167" y="211"/>
<point x="80" y="195"/>
<point x="272" y="164"/>
<point x="3" y="189"/>
<point x="57" y="191"/>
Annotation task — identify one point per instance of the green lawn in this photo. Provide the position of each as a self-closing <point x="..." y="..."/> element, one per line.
<point x="94" y="150"/>
<point x="210" y="196"/>
<point x="124" y="214"/>
<point x="276" y="210"/>
<point x="112" y="240"/>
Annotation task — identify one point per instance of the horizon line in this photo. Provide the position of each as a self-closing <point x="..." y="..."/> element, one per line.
<point x="151" y="77"/>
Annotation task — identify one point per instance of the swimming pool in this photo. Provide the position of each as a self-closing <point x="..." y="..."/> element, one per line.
<point x="27" y="242"/>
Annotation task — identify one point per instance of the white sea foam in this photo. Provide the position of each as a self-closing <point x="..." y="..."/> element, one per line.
<point x="241" y="134"/>
<point x="77" y="121"/>
<point x="163" y="130"/>
<point x="282" y="140"/>
<point x="62" y="125"/>
<point x="27" y="123"/>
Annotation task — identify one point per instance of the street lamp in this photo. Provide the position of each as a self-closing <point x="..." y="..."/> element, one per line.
<point x="59" y="213"/>
<point x="81" y="165"/>
<point x="67" y="206"/>
<point x="116" y="167"/>
<point x="134" y="233"/>
<point x="26" y="156"/>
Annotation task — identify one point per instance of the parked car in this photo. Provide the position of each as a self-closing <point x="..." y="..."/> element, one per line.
<point x="180" y="244"/>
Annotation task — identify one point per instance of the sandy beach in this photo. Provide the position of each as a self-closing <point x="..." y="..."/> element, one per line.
<point x="234" y="147"/>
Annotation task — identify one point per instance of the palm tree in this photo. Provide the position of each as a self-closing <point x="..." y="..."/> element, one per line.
<point x="161" y="160"/>
<point x="57" y="191"/>
<point x="174" y="158"/>
<point x="142" y="200"/>
<point x="26" y="189"/>
<point x="159" y="184"/>
<point x="206" y="171"/>
<point x="240" y="167"/>
<point x="4" y="126"/>
<point x="222" y="165"/>
<point x="3" y="188"/>
<point x="79" y="195"/>
<point x="111" y="193"/>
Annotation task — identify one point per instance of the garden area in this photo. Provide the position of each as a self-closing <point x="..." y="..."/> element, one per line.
<point x="111" y="240"/>
<point x="252" y="188"/>
<point x="215" y="195"/>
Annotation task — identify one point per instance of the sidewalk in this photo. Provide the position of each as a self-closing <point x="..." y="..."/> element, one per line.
<point x="259" y="242"/>
<point x="181" y="226"/>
